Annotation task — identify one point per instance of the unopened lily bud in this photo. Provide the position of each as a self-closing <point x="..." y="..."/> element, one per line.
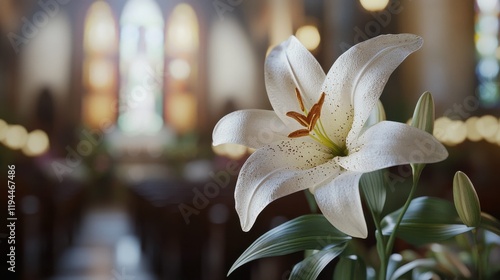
<point x="466" y="200"/>
<point x="377" y="115"/>
<point x="423" y="118"/>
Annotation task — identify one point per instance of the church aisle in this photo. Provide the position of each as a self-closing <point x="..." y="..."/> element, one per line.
<point x="104" y="248"/>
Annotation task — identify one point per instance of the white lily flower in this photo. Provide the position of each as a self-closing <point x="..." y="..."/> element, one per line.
<point x="315" y="138"/>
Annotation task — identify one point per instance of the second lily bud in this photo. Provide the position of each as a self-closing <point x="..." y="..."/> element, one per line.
<point x="466" y="200"/>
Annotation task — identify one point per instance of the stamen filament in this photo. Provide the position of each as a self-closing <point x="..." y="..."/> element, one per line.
<point x="313" y="121"/>
<point x="299" y="97"/>
<point x="325" y="140"/>
<point x="309" y="121"/>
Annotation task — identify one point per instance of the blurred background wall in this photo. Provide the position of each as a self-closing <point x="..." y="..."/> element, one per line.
<point x="107" y="108"/>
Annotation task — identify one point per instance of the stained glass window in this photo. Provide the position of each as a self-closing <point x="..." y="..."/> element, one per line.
<point x="181" y="49"/>
<point x="99" y="66"/>
<point x="141" y="67"/>
<point x="488" y="52"/>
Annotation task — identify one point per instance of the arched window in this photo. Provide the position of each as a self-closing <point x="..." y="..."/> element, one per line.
<point x="181" y="49"/>
<point x="488" y="52"/>
<point x="99" y="66"/>
<point x="141" y="68"/>
<point x="147" y="77"/>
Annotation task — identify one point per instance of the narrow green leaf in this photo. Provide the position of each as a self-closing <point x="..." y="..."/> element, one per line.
<point x="428" y="263"/>
<point x="424" y="273"/>
<point x="373" y="187"/>
<point x="491" y="239"/>
<point x="448" y="260"/>
<point x="350" y="268"/>
<point x="490" y="223"/>
<point x="492" y="244"/>
<point x="313" y="206"/>
<point x="311" y="267"/>
<point x="393" y="264"/>
<point x="423" y="118"/>
<point x="466" y="200"/>
<point x="427" y="220"/>
<point x="308" y="232"/>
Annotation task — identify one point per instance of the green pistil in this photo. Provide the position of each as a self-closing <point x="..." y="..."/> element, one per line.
<point x="320" y="134"/>
<point x="327" y="142"/>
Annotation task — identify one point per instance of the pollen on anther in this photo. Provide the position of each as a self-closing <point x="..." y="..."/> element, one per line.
<point x="321" y="99"/>
<point x="299" y="133"/>
<point x="298" y="117"/>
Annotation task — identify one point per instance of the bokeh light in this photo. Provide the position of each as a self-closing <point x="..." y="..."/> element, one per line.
<point x="3" y="129"/>
<point x="488" y="24"/>
<point x="309" y="36"/>
<point x="487" y="127"/>
<point x="179" y="69"/>
<point x="37" y="143"/>
<point x="487" y="6"/>
<point x="456" y="132"/>
<point x="440" y="128"/>
<point x="487" y="44"/>
<point x="488" y="67"/>
<point x="472" y="133"/>
<point x="374" y="5"/>
<point x="16" y="137"/>
<point x="232" y="151"/>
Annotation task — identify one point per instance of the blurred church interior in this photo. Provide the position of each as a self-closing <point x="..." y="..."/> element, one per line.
<point x="107" y="108"/>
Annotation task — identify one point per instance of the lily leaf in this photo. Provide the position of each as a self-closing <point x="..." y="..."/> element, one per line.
<point x="351" y="267"/>
<point x="448" y="261"/>
<point x="427" y="263"/>
<point x="395" y="261"/>
<point x="373" y="187"/>
<point x="313" y="206"/>
<point x="311" y="267"/>
<point x="427" y="220"/>
<point x="490" y="223"/>
<point x="424" y="273"/>
<point x="307" y="232"/>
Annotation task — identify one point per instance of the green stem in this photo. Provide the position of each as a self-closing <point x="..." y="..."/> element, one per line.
<point x="477" y="255"/>
<point x="381" y="254"/>
<point x="380" y="242"/>
<point x="392" y="238"/>
<point x="384" y="259"/>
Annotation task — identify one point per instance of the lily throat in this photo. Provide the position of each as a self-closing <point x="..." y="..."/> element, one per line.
<point x="313" y="127"/>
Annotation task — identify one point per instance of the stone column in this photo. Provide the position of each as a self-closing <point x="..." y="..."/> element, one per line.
<point x="445" y="65"/>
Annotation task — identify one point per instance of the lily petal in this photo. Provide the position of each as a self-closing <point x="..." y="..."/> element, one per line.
<point x="290" y="65"/>
<point x="369" y="65"/>
<point x="340" y="202"/>
<point x="388" y="144"/>
<point x="251" y="128"/>
<point x="278" y="170"/>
